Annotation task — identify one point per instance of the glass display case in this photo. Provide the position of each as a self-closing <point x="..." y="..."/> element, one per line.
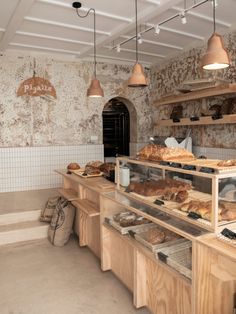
<point x="197" y="192"/>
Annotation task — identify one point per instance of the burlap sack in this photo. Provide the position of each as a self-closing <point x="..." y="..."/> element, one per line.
<point x="47" y="212"/>
<point x="61" y="224"/>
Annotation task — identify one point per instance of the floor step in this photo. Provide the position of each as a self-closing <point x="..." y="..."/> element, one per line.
<point x="23" y="216"/>
<point x="15" y="202"/>
<point x="23" y="231"/>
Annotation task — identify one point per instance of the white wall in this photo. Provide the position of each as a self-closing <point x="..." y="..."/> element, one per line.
<point x="32" y="168"/>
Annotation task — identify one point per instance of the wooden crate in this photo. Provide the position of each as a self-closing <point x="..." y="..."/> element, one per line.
<point x="140" y="236"/>
<point x="125" y="230"/>
<point x="178" y="257"/>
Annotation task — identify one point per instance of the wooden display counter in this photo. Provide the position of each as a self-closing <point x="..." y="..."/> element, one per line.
<point x="211" y="286"/>
<point x="158" y="286"/>
<point x="215" y="277"/>
<point x="84" y="193"/>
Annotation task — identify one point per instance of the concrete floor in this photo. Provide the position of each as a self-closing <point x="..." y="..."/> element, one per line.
<point x="38" y="278"/>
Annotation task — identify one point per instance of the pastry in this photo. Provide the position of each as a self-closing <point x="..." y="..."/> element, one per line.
<point x="119" y="216"/>
<point x="140" y="221"/>
<point x="95" y="164"/>
<point x="128" y="220"/>
<point x="170" y="236"/>
<point x="107" y="167"/>
<point x="90" y="170"/>
<point x="229" y="215"/>
<point x="155" y="236"/>
<point x="168" y="196"/>
<point x="73" y="166"/>
<point x="181" y="196"/>
<point x="227" y="163"/>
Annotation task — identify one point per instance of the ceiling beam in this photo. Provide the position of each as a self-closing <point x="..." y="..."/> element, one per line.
<point x="71" y="26"/>
<point x="154" y="2"/>
<point x="55" y="38"/>
<point x="15" y="22"/>
<point x="98" y="13"/>
<point x="76" y="53"/>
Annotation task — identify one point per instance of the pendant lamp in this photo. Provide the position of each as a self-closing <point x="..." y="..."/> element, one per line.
<point x="216" y="56"/>
<point x="95" y="89"/>
<point x="137" y="78"/>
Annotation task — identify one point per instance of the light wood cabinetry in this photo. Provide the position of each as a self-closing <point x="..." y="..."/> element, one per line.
<point x="162" y="289"/>
<point x="215" y="282"/>
<point x="84" y="194"/>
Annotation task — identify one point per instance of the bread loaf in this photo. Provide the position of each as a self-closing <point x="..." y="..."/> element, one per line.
<point x="159" y="187"/>
<point x="73" y="166"/>
<point x="157" y="153"/>
<point x="227" y="163"/>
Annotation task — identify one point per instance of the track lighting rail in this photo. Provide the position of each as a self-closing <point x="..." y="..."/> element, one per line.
<point x="185" y="10"/>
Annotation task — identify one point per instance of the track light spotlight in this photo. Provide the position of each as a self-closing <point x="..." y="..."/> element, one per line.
<point x="157" y="29"/>
<point x="140" y="39"/>
<point x="118" y="49"/>
<point x="216" y="3"/>
<point x="183" y="18"/>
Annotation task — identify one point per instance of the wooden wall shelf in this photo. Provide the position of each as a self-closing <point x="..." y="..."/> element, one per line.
<point x="227" y="119"/>
<point x="225" y="89"/>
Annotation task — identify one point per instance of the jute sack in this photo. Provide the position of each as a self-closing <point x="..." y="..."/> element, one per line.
<point x="61" y="224"/>
<point x="47" y="212"/>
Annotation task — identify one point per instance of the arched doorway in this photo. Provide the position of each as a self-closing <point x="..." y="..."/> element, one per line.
<point x="116" y="128"/>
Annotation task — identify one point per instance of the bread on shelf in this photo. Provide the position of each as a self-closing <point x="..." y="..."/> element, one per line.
<point x="73" y="166"/>
<point x="155" y="152"/>
<point x="159" y="187"/>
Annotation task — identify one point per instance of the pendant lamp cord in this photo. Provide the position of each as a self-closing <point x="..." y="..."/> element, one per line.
<point x="94" y="36"/>
<point x="214" y="15"/>
<point x="136" y="20"/>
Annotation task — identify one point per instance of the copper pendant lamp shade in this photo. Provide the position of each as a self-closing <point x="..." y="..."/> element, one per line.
<point x="95" y="89"/>
<point x="216" y="56"/>
<point x="138" y="78"/>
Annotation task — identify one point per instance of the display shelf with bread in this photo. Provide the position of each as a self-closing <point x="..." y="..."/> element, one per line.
<point x="199" y="192"/>
<point x="132" y="255"/>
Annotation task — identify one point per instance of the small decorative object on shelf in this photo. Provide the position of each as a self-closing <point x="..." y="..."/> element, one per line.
<point x="177" y="113"/>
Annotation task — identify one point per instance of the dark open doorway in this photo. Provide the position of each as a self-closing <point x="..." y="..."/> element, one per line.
<point x="116" y="128"/>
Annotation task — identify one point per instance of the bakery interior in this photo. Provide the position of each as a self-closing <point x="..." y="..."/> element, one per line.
<point x="118" y="156"/>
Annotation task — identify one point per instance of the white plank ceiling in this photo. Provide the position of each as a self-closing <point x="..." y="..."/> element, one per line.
<point x="53" y="27"/>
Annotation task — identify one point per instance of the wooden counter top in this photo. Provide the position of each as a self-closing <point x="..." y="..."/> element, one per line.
<point x="221" y="247"/>
<point x="97" y="184"/>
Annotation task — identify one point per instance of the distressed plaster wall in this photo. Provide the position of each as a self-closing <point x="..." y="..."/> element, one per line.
<point x="72" y="118"/>
<point x="186" y="66"/>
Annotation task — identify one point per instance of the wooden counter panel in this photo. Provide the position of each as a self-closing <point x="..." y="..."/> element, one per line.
<point x="93" y="235"/>
<point x="166" y="294"/>
<point x="122" y="259"/>
<point x="215" y="283"/>
<point x="93" y="197"/>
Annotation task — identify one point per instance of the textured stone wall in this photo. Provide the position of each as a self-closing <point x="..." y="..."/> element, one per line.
<point x="71" y="118"/>
<point x="166" y="78"/>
